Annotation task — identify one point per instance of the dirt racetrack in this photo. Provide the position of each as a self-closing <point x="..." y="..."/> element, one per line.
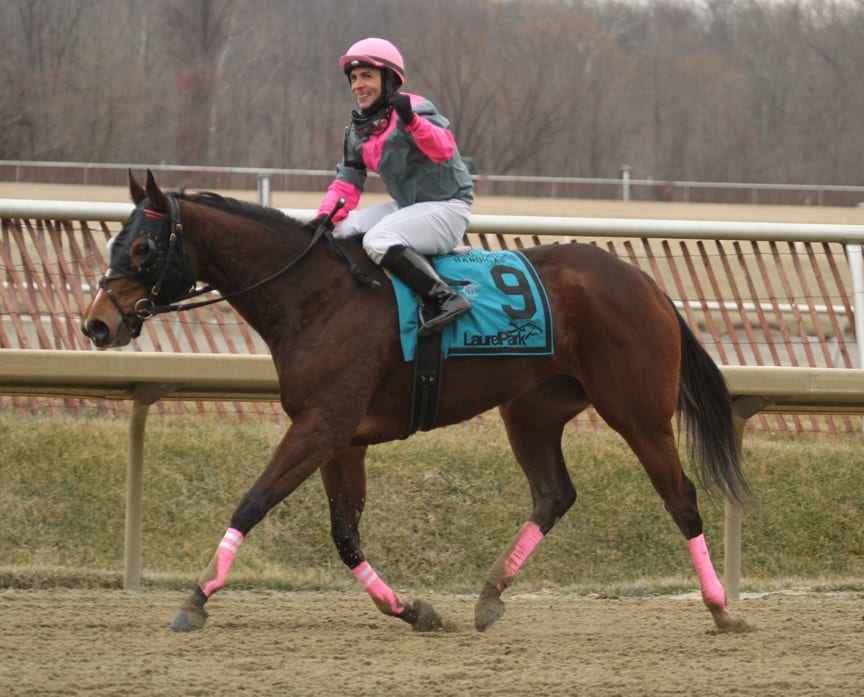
<point x="86" y="642"/>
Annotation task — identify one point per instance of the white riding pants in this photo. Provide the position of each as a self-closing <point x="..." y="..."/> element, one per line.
<point x="431" y="227"/>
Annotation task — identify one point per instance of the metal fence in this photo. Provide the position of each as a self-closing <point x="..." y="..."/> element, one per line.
<point x="755" y="293"/>
<point x="626" y="187"/>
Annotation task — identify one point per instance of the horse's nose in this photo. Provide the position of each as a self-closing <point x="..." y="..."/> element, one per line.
<point x="97" y="331"/>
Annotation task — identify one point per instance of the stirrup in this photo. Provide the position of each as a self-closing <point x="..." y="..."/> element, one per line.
<point x="431" y="325"/>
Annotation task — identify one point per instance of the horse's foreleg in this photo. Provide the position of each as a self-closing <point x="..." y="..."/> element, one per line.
<point x="294" y="460"/>
<point x="344" y="479"/>
<point x="192" y="614"/>
<point x="420" y="615"/>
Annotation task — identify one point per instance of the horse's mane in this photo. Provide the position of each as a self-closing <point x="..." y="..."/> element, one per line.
<point x="271" y="217"/>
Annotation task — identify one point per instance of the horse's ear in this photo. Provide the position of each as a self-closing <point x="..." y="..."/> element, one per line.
<point x="136" y="191"/>
<point x="158" y="200"/>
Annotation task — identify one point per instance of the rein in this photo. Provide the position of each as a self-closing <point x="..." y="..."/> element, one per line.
<point x="147" y="307"/>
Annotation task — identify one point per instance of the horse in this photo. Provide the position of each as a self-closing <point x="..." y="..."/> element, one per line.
<point x="619" y="345"/>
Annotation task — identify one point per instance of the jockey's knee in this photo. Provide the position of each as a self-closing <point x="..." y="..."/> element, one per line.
<point x="375" y="251"/>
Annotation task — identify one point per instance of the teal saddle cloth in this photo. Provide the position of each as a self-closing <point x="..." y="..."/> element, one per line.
<point x="510" y="310"/>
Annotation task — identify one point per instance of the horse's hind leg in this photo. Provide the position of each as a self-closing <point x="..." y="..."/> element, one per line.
<point x="656" y="449"/>
<point x="344" y="479"/>
<point x="534" y="425"/>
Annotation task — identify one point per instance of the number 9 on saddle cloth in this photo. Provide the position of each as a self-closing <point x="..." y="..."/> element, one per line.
<point x="510" y="310"/>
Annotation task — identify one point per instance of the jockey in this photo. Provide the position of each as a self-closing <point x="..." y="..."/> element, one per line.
<point x="404" y="139"/>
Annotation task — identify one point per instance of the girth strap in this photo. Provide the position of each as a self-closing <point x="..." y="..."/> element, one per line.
<point x="427" y="383"/>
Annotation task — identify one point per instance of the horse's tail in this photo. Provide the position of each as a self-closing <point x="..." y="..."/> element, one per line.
<point x="706" y="407"/>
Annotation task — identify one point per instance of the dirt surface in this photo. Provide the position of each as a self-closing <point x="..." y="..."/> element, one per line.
<point x="86" y="642"/>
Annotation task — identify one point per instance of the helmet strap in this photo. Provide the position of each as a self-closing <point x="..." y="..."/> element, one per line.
<point x="372" y="120"/>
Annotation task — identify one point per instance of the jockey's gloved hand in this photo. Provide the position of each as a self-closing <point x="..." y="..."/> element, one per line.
<point x="401" y="104"/>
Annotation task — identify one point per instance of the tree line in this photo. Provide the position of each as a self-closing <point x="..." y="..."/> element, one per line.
<point x="710" y="90"/>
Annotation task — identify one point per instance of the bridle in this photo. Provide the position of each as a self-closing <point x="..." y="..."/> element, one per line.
<point x="165" y="269"/>
<point x="166" y="255"/>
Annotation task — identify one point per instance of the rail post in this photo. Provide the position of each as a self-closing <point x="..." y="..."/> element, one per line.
<point x="732" y="523"/>
<point x="855" y="254"/>
<point x="625" y="182"/>
<point x="264" y="187"/>
<point x="135" y="498"/>
<point x="145" y="395"/>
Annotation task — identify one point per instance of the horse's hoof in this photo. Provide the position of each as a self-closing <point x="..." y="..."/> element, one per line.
<point x="487" y="611"/>
<point x="189" y="619"/>
<point x="726" y="624"/>
<point x="428" y="620"/>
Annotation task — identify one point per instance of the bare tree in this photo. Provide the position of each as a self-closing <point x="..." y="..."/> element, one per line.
<point x="39" y="41"/>
<point x="716" y="90"/>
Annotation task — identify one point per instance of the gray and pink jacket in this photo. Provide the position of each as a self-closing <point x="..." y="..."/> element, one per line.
<point x="417" y="163"/>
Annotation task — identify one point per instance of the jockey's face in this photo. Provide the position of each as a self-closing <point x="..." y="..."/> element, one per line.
<point x="365" y="85"/>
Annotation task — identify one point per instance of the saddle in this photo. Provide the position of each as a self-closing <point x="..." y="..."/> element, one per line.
<point x="510" y="316"/>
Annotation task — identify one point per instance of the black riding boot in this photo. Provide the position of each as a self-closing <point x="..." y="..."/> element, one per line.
<point x="441" y="304"/>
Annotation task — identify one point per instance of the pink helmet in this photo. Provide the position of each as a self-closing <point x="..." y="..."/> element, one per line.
<point x="379" y="53"/>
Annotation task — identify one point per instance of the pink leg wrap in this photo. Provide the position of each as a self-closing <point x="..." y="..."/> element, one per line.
<point x="528" y="537"/>
<point x="712" y="590"/>
<point x="222" y="561"/>
<point x="379" y="591"/>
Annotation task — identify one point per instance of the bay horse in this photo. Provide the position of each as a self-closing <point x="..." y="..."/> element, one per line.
<point x="619" y="345"/>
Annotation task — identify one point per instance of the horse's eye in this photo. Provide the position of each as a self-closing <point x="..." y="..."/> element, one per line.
<point x="143" y="252"/>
